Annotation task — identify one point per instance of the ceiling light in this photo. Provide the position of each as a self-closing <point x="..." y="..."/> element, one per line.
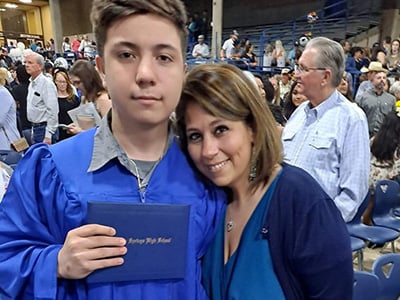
<point x="10" y="5"/>
<point x="25" y="1"/>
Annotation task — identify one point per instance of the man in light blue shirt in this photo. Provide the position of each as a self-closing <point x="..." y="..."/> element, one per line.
<point x="328" y="135"/>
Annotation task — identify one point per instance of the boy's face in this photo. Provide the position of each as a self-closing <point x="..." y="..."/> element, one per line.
<point x="143" y="69"/>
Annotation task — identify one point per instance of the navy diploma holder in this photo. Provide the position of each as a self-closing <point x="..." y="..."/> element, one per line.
<point x="156" y="235"/>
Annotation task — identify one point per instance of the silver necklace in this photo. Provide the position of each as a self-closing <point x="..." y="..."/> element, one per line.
<point x="139" y="178"/>
<point x="229" y="225"/>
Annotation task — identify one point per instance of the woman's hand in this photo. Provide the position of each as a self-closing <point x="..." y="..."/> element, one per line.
<point x="74" y="129"/>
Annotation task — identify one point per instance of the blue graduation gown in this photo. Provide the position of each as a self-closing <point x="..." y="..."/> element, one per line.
<point x="47" y="197"/>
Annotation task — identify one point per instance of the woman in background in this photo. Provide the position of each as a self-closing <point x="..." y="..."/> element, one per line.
<point x="277" y="94"/>
<point x="250" y="56"/>
<point x="279" y="54"/>
<point x="345" y="87"/>
<point x="20" y="93"/>
<point x="385" y="150"/>
<point x="378" y="54"/>
<point x="385" y="156"/>
<point x="8" y="114"/>
<point x="292" y="101"/>
<point x="66" y="45"/>
<point x="393" y="57"/>
<point x="278" y="240"/>
<point x="267" y="58"/>
<point x="67" y="100"/>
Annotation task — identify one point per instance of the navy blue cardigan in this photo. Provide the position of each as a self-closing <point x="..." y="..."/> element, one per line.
<point x="309" y="241"/>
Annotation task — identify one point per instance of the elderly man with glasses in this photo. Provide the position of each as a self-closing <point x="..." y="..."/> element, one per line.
<point x="328" y="135"/>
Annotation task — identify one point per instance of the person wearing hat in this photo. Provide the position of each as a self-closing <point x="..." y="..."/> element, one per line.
<point x="228" y="48"/>
<point x="376" y="103"/>
<point x="373" y="68"/>
<point x="201" y="49"/>
<point x="285" y="83"/>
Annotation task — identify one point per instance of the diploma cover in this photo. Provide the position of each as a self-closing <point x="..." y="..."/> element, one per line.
<point x="156" y="235"/>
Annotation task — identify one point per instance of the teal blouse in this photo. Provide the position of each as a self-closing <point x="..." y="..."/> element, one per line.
<point x="249" y="273"/>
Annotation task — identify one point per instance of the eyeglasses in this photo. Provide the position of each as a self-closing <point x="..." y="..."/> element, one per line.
<point x="303" y="69"/>
<point x="60" y="82"/>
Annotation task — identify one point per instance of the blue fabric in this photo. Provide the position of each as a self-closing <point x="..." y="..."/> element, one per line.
<point x="248" y="273"/>
<point x="351" y="65"/>
<point x="47" y="196"/>
<point x="309" y="242"/>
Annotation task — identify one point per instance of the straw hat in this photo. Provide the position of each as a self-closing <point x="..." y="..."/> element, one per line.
<point x="374" y="66"/>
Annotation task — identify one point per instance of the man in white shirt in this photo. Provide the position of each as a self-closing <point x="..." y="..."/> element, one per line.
<point x="201" y="49"/>
<point x="42" y="101"/>
<point x="327" y="135"/>
<point x="228" y="48"/>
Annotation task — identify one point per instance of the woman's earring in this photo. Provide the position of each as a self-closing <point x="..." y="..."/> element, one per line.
<point x="253" y="167"/>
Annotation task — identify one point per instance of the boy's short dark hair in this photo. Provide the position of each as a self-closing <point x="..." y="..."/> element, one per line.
<point x="106" y="12"/>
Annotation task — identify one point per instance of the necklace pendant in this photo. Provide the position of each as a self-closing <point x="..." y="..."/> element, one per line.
<point x="229" y="226"/>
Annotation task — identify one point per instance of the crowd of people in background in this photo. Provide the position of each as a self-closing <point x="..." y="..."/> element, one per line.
<point x="369" y="73"/>
<point x="237" y="139"/>
<point x="370" y="80"/>
<point x="45" y="86"/>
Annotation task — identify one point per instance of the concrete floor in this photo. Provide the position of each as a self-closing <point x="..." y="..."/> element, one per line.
<point x="371" y="254"/>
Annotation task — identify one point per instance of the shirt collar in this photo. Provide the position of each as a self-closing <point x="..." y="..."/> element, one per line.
<point x="324" y="106"/>
<point x="106" y="147"/>
<point x="34" y="81"/>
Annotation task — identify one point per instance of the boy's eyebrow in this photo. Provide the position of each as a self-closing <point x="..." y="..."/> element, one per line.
<point x="134" y="46"/>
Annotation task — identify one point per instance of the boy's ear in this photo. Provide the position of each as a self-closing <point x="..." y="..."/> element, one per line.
<point x="100" y="68"/>
<point x="99" y="64"/>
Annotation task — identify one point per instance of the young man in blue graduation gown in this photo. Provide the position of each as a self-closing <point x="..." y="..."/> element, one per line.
<point x="47" y="250"/>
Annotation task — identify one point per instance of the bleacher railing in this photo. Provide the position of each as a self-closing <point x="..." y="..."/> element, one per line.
<point x="337" y="17"/>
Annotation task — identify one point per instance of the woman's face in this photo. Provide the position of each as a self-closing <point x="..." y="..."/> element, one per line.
<point x="260" y="85"/>
<point x="220" y="149"/>
<point x="343" y="87"/>
<point x="297" y="98"/>
<point x="61" y="83"/>
<point x="395" y="47"/>
<point x="381" y="57"/>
